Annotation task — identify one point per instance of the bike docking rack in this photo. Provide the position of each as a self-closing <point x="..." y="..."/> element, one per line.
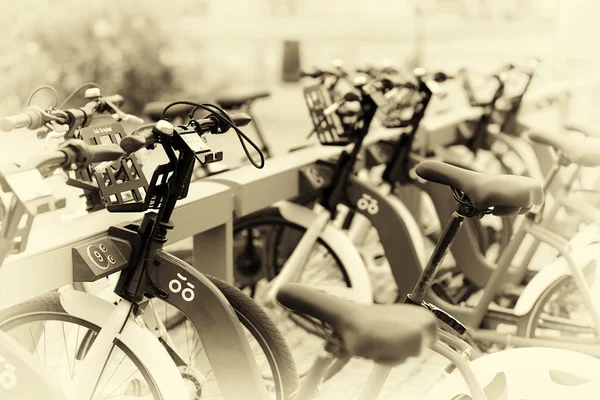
<point x="54" y="242"/>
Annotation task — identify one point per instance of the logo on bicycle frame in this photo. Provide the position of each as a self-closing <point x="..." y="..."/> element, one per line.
<point x="8" y="376"/>
<point x="176" y="286"/>
<point x="368" y="203"/>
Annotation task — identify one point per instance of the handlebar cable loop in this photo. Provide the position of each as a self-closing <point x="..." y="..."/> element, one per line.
<point x="86" y="85"/>
<point x="222" y="117"/>
<point x="40" y="88"/>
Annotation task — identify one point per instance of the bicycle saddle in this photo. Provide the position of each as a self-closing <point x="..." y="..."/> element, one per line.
<point x="583" y="151"/>
<point x="154" y="110"/>
<point x="507" y="194"/>
<point x="235" y="102"/>
<point x="386" y="334"/>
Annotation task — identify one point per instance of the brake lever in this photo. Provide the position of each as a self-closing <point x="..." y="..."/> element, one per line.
<point x="119" y="115"/>
<point x="52" y="126"/>
<point x="128" y="118"/>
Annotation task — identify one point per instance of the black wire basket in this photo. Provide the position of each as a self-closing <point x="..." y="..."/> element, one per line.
<point x="400" y="109"/>
<point x="328" y="126"/>
<point x="123" y="181"/>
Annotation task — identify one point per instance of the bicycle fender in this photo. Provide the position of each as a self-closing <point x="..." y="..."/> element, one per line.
<point x="525" y="373"/>
<point x="585" y="258"/>
<point x="140" y="341"/>
<point x="397" y="229"/>
<point x="339" y="243"/>
<point x="217" y="325"/>
<point x="525" y="152"/>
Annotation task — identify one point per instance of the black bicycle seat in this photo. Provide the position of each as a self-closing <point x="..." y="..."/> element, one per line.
<point x="507" y="194"/>
<point x="386" y="334"/>
<point x="154" y="110"/>
<point x="235" y="102"/>
<point x="583" y="151"/>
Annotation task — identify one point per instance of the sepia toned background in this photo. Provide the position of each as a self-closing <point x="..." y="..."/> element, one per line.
<point x="148" y="50"/>
<point x="199" y="49"/>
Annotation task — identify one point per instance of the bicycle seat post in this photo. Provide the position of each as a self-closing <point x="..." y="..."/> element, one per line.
<point x="439" y="253"/>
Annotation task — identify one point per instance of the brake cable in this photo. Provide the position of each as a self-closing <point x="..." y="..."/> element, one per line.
<point x="77" y="90"/>
<point x="223" y="118"/>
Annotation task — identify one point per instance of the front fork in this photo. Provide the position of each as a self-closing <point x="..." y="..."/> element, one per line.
<point x="97" y="356"/>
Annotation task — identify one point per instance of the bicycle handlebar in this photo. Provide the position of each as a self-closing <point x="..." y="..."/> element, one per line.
<point x="74" y="154"/>
<point x="147" y="138"/>
<point x="35" y="117"/>
<point x="31" y="118"/>
<point x="321" y="73"/>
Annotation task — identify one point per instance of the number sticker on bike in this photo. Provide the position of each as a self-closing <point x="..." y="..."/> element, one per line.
<point x="176" y="286"/>
<point x="8" y="377"/>
<point x="368" y="203"/>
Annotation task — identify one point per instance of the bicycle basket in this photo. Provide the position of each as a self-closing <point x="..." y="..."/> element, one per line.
<point x="400" y="110"/>
<point x="122" y="182"/>
<point x="328" y="126"/>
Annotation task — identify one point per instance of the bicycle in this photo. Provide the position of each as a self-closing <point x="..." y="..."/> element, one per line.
<point x="405" y="258"/>
<point x="146" y="270"/>
<point x="380" y="333"/>
<point x="21" y="375"/>
<point x="533" y="291"/>
<point x="333" y="183"/>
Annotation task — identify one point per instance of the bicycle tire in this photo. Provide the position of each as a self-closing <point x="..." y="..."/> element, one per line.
<point x="279" y="239"/>
<point x="529" y="326"/>
<point x="260" y="325"/>
<point x="270" y="263"/>
<point x="22" y="376"/>
<point x="48" y="305"/>
<point x="250" y="315"/>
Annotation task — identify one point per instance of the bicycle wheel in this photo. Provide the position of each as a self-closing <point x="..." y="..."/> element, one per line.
<point x="45" y="329"/>
<point x="267" y="344"/>
<point x="21" y="375"/>
<point x="262" y="244"/>
<point x="276" y="361"/>
<point x="559" y="313"/>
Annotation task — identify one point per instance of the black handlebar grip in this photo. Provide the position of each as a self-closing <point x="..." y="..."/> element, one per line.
<point x="146" y="137"/>
<point x="79" y="154"/>
<point x="311" y="74"/>
<point x="30" y="118"/>
<point x="131" y="144"/>
<point x="104" y="152"/>
<point x="240" y="119"/>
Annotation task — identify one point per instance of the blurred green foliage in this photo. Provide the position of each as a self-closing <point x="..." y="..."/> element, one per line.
<point x="118" y="45"/>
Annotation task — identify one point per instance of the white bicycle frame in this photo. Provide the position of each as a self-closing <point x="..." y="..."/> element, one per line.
<point x="317" y="225"/>
<point x="138" y="340"/>
<point x="450" y="347"/>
